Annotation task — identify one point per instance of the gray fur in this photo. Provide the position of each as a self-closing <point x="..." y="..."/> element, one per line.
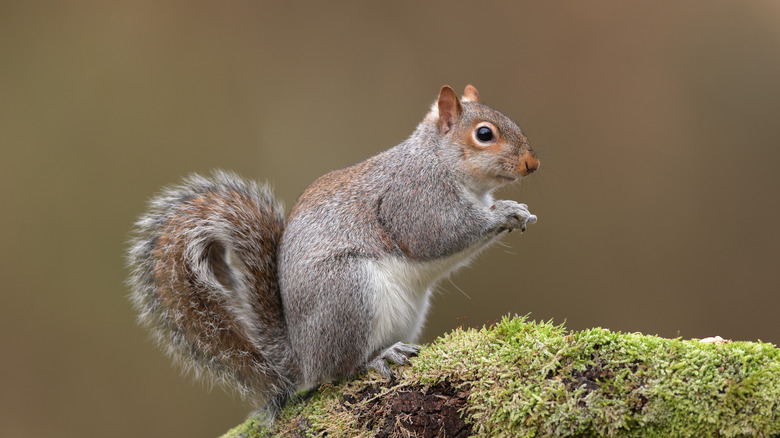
<point x="349" y="282"/>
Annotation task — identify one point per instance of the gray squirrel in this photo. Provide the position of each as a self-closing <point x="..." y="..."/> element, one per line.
<point x="240" y="299"/>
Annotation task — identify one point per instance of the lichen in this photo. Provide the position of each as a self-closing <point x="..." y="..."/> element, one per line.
<point x="534" y="379"/>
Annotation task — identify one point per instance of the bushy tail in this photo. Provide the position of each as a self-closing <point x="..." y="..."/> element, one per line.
<point x="204" y="281"/>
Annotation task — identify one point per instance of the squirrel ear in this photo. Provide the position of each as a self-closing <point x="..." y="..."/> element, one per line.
<point x="471" y="94"/>
<point x="449" y="109"/>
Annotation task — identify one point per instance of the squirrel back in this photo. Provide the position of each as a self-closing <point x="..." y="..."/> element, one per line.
<point x="267" y="309"/>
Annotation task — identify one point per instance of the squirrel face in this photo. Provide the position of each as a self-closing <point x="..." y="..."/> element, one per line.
<point x="494" y="150"/>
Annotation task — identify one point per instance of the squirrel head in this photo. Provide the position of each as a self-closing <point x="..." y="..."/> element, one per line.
<point x="493" y="150"/>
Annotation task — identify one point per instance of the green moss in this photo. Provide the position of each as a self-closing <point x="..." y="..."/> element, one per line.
<point x="303" y="416"/>
<point x="538" y="379"/>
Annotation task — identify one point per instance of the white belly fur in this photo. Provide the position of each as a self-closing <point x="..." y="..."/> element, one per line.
<point x="402" y="293"/>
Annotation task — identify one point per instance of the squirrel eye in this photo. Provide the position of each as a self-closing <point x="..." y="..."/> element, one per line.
<point x="484" y="134"/>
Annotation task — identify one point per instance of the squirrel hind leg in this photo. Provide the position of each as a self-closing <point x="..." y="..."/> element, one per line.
<point x="399" y="354"/>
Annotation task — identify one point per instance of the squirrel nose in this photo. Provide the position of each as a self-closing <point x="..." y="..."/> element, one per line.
<point x="528" y="162"/>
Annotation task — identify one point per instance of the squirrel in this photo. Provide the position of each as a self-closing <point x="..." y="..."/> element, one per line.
<point x="268" y="309"/>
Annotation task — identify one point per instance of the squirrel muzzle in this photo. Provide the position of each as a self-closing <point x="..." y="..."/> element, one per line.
<point x="528" y="162"/>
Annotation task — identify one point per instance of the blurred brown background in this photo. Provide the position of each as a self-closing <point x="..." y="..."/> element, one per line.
<point x="657" y="124"/>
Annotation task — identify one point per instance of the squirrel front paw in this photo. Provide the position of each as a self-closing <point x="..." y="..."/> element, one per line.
<point x="512" y="215"/>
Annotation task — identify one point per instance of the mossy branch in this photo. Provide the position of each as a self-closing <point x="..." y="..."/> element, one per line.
<point x="527" y="379"/>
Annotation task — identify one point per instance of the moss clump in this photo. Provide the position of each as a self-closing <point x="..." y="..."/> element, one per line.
<point x="538" y="379"/>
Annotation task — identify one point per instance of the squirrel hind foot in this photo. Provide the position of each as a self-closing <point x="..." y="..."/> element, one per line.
<point x="399" y="354"/>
